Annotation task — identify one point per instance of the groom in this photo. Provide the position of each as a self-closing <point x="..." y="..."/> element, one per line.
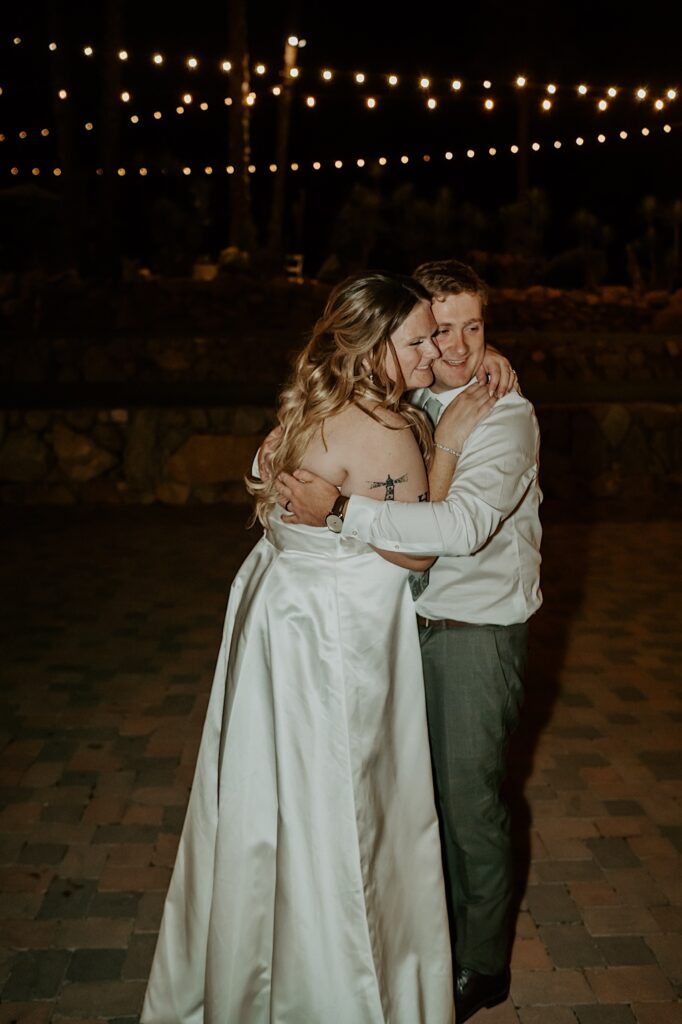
<point x="483" y="524"/>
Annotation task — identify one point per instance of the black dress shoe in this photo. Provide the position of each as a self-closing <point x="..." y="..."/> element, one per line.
<point x="473" y="991"/>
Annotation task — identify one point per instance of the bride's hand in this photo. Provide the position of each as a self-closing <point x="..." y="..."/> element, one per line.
<point x="498" y="371"/>
<point x="463" y="414"/>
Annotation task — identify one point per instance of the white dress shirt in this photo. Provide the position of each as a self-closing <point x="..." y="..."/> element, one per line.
<point x="487" y="531"/>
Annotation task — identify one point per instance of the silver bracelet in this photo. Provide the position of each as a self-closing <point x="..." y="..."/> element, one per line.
<point x="444" y="448"/>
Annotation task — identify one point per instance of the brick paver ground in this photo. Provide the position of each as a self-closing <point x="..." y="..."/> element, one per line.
<point x="110" y="630"/>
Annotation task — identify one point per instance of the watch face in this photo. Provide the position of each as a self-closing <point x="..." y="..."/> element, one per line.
<point x="334" y="523"/>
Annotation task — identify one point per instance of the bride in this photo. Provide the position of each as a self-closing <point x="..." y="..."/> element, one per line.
<point x="308" y="886"/>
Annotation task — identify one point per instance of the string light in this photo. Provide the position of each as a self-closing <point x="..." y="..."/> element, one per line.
<point x="251" y="168"/>
<point x="63" y="94"/>
<point x="546" y="104"/>
<point x="449" y="155"/>
<point x="383" y="161"/>
<point x="431" y="103"/>
<point x="557" y="144"/>
<point x="514" y="149"/>
<point x="57" y="172"/>
<point x="489" y="104"/>
<point x="338" y="164"/>
<point x="645" y="131"/>
<point x="230" y="169"/>
<point x="520" y="81"/>
<point x="535" y="147"/>
<point x="143" y="172"/>
<point x="203" y="106"/>
<point x="579" y="141"/>
<point x="125" y="96"/>
<point x="157" y="115"/>
<point x="667" y="129"/>
<point x="623" y="135"/>
<point x="471" y="153"/>
<point x="294" y="167"/>
<point x="251" y="99"/>
<point x="360" y="162"/>
<point x="17" y="40"/>
<point x="404" y="159"/>
<point x="602" y="104"/>
<point x="371" y="102"/>
<point x="492" y="151"/>
<point x="134" y="119"/>
<point x="45" y="132"/>
<point x="179" y="110"/>
<point x="310" y="101"/>
<point x="317" y="165"/>
<point x="276" y="90"/>
<point x="659" y="104"/>
<point x="641" y="94"/>
<point x="186" y="171"/>
<point x="35" y="171"/>
<point x="294" y="72"/>
<point x="273" y="168"/>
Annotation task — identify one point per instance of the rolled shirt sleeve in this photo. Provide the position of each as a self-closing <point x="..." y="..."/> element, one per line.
<point x="498" y="463"/>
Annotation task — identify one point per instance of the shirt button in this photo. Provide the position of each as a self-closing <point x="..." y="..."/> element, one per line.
<point x="355" y="533"/>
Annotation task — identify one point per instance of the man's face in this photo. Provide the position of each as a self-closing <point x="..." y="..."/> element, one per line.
<point x="460" y="338"/>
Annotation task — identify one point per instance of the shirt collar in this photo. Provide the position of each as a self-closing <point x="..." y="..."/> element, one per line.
<point x="421" y="395"/>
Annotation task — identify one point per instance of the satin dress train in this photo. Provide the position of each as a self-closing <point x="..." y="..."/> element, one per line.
<point x="308" y="885"/>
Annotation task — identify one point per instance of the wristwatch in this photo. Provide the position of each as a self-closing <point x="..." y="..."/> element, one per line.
<point x="334" y="519"/>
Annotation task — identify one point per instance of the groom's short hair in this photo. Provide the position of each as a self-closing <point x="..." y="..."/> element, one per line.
<point x="450" y="277"/>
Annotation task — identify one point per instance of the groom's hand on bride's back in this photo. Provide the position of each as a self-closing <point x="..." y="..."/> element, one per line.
<point x="306" y="497"/>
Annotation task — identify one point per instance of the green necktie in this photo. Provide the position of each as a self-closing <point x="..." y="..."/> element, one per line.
<point x="433" y="408"/>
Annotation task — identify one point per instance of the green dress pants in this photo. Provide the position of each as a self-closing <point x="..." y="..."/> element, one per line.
<point x="474" y="688"/>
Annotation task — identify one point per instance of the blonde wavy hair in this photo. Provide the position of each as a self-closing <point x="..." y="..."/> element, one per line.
<point x="344" y="362"/>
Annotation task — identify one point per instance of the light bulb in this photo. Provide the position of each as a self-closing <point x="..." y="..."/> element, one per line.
<point x="520" y="81"/>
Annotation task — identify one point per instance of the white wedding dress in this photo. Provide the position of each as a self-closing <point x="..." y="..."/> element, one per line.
<point x="308" y="886"/>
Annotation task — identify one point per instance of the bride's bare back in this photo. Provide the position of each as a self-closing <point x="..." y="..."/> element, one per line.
<point x="363" y="456"/>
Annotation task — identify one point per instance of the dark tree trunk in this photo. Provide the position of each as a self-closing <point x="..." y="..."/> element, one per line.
<point x="71" y="177"/>
<point x="241" y="232"/>
<point x="276" y="231"/>
<point x="108" y="244"/>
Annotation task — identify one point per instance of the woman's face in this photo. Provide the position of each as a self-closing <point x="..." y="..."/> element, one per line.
<point x="414" y="347"/>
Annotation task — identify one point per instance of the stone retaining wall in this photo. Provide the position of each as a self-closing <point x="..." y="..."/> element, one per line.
<point x="181" y="455"/>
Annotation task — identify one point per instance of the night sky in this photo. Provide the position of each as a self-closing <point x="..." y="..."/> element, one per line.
<point x="601" y="44"/>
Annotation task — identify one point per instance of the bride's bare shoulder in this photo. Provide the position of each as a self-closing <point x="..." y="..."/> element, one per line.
<point x="370" y="418"/>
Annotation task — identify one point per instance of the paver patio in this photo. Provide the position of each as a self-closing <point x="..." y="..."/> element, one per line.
<point x="111" y="625"/>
